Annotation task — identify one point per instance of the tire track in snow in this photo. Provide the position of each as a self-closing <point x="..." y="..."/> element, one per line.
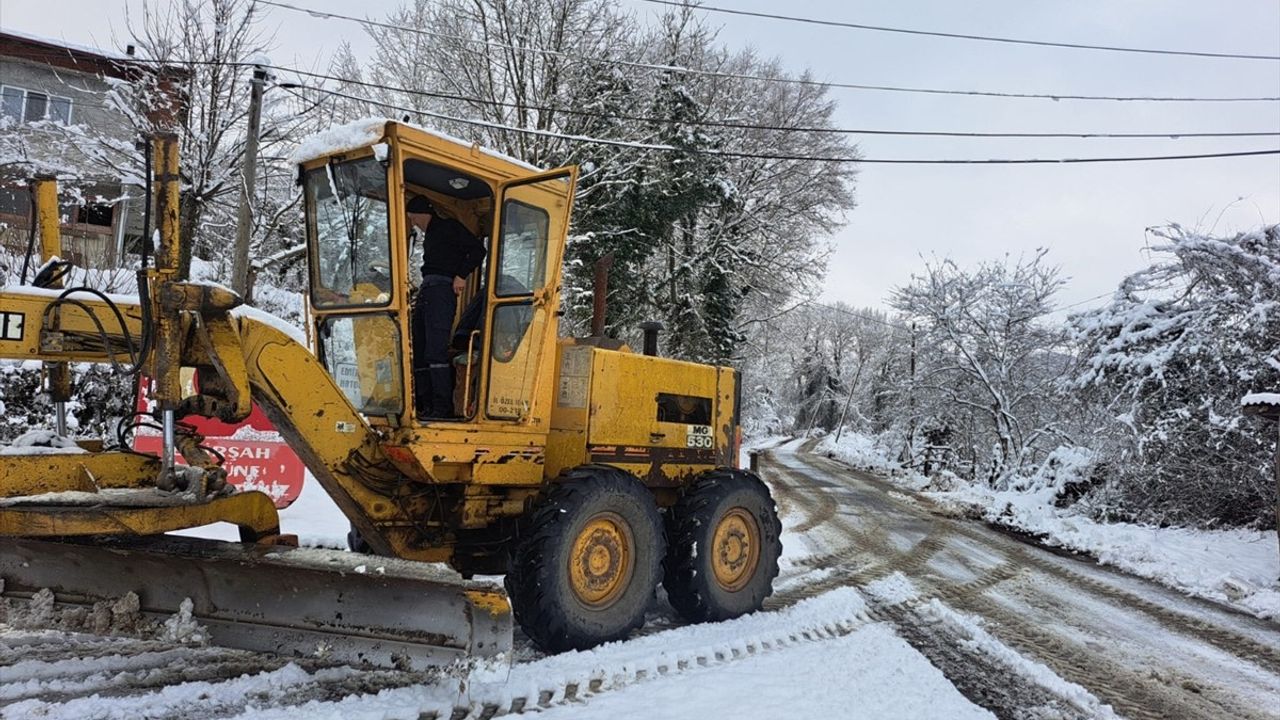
<point x="1002" y="688"/>
<point x="1261" y="654"/>
<point x="1137" y="694"/>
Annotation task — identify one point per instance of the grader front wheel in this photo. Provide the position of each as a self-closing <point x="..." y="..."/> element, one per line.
<point x="588" y="562"/>
<point x="722" y="547"/>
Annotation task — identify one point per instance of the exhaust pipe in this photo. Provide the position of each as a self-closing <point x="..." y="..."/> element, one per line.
<point x="600" y="294"/>
<point x="651" y="329"/>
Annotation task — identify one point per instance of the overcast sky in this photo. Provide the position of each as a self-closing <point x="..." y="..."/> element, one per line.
<point x="1092" y="217"/>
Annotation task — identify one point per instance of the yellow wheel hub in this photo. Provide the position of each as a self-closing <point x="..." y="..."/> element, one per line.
<point x="601" y="563"/>
<point x="735" y="549"/>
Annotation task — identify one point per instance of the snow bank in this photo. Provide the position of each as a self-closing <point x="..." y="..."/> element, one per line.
<point x="866" y="452"/>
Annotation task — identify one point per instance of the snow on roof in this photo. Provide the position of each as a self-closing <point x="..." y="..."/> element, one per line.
<point x="1261" y="399"/>
<point x="339" y="138"/>
<point x="109" y="54"/>
<point x="368" y="131"/>
<point x="491" y="153"/>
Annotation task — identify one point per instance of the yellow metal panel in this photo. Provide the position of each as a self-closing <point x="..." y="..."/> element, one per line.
<point x="24" y="310"/>
<point x="250" y="510"/>
<point x="624" y="397"/>
<point x="484" y="453"/>
<point x="625" y="430"/>
<point x="87" y="472"/>
<point x="724" y="416"/>
<point x="567" y="442"/>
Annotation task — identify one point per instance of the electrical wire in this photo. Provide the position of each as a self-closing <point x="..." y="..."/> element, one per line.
<point x="766" y="156"/>
<point x="761" y="78"/>
<point x="855" y="313"/>
<point x="777" y="128"/>
<point x="1171" y="135"/>
<point x="959" y="36"/>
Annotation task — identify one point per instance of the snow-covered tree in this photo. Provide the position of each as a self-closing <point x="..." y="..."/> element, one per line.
<point x="988" y="359"/>
<point x="1168" y="361"/>
<point x="697" y="235"/>
<point x="208" y="51"/>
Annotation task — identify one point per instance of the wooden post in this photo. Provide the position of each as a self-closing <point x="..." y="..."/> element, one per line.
<point x="1271" y="411"/>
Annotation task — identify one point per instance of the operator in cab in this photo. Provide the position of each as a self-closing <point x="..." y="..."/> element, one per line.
<point x="450" y="253"/>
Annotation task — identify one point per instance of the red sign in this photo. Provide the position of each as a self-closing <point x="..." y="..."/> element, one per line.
<point x="254" y="455"/>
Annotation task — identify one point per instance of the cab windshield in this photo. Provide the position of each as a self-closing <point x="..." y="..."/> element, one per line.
<point x="347" y="223"/>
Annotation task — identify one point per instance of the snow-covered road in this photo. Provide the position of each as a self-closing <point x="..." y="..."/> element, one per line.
<point x="883" y="609"/>
<point x="1014" y="626"/>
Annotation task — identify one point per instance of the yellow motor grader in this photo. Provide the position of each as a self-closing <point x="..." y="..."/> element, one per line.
<point x="584" y="472"/>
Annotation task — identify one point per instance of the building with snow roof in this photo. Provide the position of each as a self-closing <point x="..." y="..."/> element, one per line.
<point x="55" y="106"/>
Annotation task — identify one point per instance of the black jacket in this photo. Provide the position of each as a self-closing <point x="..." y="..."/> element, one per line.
<point x="449" y="249"/>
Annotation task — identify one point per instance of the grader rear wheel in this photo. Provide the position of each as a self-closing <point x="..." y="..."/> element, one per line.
<point x="722" y="547"/>
<point x="588" y="561"/>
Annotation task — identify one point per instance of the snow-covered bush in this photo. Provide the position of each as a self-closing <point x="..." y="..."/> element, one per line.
<point x="1169" y="359"/>
<point x="866" y="452"/>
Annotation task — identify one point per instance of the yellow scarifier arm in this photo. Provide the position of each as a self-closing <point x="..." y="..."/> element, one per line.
<point x="583" y="471"/>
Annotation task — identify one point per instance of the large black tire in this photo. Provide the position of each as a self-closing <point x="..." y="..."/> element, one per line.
<point x="701" y="586"/>
<point x="357" y="543"/>
<point x="588" y="560"/>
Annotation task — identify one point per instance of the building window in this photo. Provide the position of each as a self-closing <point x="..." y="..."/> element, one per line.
<point x="30" y="106"/>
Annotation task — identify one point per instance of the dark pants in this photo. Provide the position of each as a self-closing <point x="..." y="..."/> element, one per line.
<point x="433" y="320"/>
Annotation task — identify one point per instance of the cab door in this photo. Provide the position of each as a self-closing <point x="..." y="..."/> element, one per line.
<point x="524" y="295"/>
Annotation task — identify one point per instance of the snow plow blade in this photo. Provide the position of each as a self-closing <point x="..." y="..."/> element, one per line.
<point x="346" y="607"/>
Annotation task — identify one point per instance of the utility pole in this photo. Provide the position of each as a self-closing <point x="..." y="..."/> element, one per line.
<point x="240" y="256"/>
<point x="911" y="400"/>
<point x="848" y="401"/>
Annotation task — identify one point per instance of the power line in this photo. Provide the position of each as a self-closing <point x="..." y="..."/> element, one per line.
<point x="1174" y="135"/>
<point x="962" y="36"/>
<point x="765" y="156"/>
<point x="855" y="313"/>
<point x="760" y="78"/>
<point x="754" y="126"/>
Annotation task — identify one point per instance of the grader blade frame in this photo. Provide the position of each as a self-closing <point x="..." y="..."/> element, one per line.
<point x="300" y="602"/>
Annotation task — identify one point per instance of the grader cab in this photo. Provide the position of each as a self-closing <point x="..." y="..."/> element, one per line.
<point x="584" y="472"/>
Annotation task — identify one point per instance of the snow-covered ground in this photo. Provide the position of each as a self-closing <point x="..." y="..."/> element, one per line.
<point x="861" y="675"/>
<point x="1237" y="567"/>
